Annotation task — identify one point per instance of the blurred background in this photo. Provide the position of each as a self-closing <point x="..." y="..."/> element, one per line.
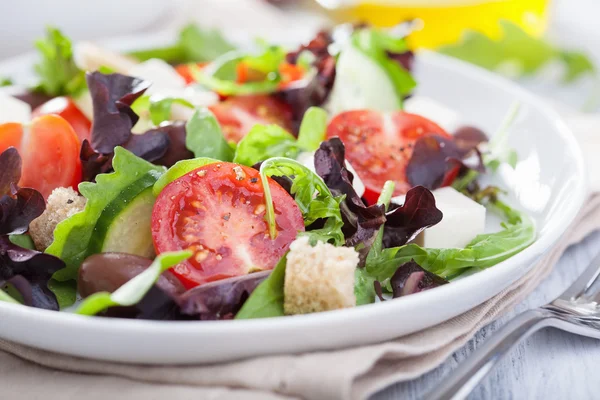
<point x="550" y="46"/>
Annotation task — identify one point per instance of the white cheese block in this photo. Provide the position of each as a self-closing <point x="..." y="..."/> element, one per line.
<point x="90" y="57"/>
<point x="463" y="220"/>
<point x="442" y="115"/>
<point x="307" y="159"/>
<point x="160" y="73"/>
<point x="13" y="110"/>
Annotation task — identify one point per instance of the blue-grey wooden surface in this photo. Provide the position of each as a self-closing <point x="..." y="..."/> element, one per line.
<point x="549" y="365"/>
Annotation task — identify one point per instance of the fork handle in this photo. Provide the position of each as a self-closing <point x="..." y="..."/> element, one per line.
<point x="467" y="376"/>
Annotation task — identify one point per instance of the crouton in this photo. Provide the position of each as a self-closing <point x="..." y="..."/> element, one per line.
<point x="61" y="204"/>
<point x="318" y="278"/>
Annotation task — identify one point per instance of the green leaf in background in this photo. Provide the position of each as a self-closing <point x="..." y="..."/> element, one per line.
<point x="364" y="291"/>
<point x="56" y="69"/>
<point x="204" y="137"/>
<point x="312" y="196"/>
<point x="375" y="44"/>
<point x="65" y="292"/>
<point x="7" y="298"/>
<point x="517" y="49"/>
<point x="484" y="251"/>
<point x="135" y="289"/>
<point x="312" y="129"/>
<point x="73" y="236"/>
<point x="193" y="45"/>
<point x="6" y="82"/>
<point x="266" y="300"/>
<point x="160" y="111"/>
<point x="178" y="170"/>
<point x="265" y="141"/>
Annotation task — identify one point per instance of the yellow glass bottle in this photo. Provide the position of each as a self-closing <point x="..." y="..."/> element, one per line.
<point x="443" y="20"/>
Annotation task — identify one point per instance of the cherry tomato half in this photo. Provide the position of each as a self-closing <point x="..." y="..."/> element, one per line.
<point x="218" y="212"/>
<point x="237" y="115"/>
<point x="49" y="149"/>
<point x="66" y="108"/>
<point x="379" y="145"/>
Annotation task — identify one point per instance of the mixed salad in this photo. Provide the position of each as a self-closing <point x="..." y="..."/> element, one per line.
<point x="202" y="181"/>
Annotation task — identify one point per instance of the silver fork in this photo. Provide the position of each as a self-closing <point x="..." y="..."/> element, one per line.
<point x="575" y="311"/>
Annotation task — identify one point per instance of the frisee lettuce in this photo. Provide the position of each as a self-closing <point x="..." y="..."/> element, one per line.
<point x="56" y="69"/>
<point x="134" y="290"/>
<point x="72" y="237"/>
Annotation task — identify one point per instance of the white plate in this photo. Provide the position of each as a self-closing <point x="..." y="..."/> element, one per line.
<point x="548" y="183"/>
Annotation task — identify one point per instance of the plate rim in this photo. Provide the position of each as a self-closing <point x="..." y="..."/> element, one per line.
<point x="540" y="246"/>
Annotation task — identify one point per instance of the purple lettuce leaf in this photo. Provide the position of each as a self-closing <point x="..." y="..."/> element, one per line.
<point x="411" y="278"/>
<point x="315" y="90"/>
<point x="361" y="223"/>
<point x="29" y="271"/>
<point x="93" y="163"/>
<point x="151" y="146"/>
<point x="220" y="299"/>
<point x="10" y="165"/>
<point x="112" y="96"/>
<point x="176" y="150"/>
<point x="19" y="209"/>
<point x="405" y="222"/>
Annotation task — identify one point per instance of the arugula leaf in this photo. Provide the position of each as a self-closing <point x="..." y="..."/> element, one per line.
<point x="72" y="237"/>
<point x="484" y="251"/>
<point x="57" y="70"/>
<point x="376" y="44"/>
<point x="265" y="141"/>
<point x="312" y="196"/>
<point x="194" y="45"/>
<point x="518" y="48"/>
<point x="23" y="240"/>
<point x="266" y="300"/>
<point x="232" y="88"/>
<point x="205" y="138"/>
<point x="134" y="290"/>
<point x="363" y="282"/>
<point x="312" y="129"/>
<point x="178" y="170"/>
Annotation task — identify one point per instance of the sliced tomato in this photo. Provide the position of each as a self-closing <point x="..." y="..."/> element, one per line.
<point x="66" y="108"/>
<point x="237" y="115"/>
<point x="218" y="212"/>
<point x="49" y="149"/>
<point x="185" y="72"/>
<point x="379" y="145"/>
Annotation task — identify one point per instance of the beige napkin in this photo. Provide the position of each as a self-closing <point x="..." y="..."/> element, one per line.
<point x="355" y="373"/>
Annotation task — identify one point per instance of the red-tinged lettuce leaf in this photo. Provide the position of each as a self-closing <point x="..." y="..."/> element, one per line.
<point x="405" y="222"/>
<point x="151" y="145"/>
<point x="93" y="163"/>
<point x="411" y="278"/>
<point x="33" y="98"/>
<point x="221" y="299"/>
<point x="361" y="223"/>
<point x="10" y="167"/>
<point x="29" y="272"/>
<point x="19" y="209"/>
<point x="436" y="161"/>
<point x="112" y="96"/>
<point x="314" y="90"/>
<point x="176" y="150"/>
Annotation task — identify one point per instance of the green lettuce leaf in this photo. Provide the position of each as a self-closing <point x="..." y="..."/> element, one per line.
<point x="56" y="69"/>
<point x="527" y="53"/>
<point x="484" y="251"/>
<point x="266" y="300"/>
<point x="73" y="236"/>
<point x="312" y="129"/>
<point x="134" y="290"/>
<point x="265" y="141"/>
<point x="7" y="298"/>
<point x="204" y="137"/>
<point x="312" y="196"/>
<point x="178" y="170"/>
<point x="193" y="45"/>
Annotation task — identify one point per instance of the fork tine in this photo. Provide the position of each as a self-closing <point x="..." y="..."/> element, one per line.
<point x="585" y="281"/>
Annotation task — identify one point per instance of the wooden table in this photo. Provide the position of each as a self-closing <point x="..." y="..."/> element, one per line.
<point x="551" y="364"/>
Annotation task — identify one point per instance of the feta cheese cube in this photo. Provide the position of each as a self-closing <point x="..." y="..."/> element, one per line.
<point x="463" y="220"/>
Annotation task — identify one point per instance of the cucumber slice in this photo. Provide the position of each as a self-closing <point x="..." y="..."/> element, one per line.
<point x="124" y="225"/>
<point x="361" y="83"/>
